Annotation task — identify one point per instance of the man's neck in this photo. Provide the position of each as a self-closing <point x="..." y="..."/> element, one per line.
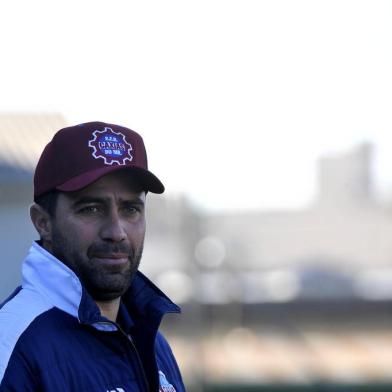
<point x="109" y="309"/>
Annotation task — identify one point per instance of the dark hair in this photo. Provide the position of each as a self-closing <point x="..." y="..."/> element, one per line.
<point x="48" y="202"/>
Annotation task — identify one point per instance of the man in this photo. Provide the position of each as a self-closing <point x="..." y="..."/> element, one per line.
<point x="85" y="318"/>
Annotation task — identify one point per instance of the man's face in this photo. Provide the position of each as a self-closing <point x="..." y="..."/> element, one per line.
<point x="99" y="233"/>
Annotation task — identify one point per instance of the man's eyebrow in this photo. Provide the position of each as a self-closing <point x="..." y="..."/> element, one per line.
<point x="88" y="200"/>
<point x="135" y="200"/>
<point x="102" y="200"/>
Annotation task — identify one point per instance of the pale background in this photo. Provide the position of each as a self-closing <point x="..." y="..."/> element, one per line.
<point x="236" y="99"/>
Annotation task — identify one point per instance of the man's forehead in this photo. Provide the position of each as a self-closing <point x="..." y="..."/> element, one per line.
<point x="118" y="184"/>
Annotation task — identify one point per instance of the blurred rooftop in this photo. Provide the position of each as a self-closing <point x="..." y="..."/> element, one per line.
<point x="23" y="137"/>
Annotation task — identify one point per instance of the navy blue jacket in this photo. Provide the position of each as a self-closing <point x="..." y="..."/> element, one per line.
<point x="53" y="337"/>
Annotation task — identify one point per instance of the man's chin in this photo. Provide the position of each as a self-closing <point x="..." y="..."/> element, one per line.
<point x="113" y="269"/>
<point x="106" y="297"/>
<point x="108" y="281"/>
<point x="107" y="293"/>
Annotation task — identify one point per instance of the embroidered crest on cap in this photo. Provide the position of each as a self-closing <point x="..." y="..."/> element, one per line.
<point x="164" y="385"/>
<point x="111" y="146"/>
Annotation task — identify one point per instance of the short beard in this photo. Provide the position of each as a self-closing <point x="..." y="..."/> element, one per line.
<point x="109" y="283"/>
<point x="103" y="283"/>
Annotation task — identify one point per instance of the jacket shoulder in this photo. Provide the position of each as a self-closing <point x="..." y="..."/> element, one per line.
<point x="16" y="316"/>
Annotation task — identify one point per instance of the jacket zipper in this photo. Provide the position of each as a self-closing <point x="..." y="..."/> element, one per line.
<point x="139" y="361"/>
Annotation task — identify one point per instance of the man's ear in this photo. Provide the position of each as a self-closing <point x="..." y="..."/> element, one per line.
<point x="42" y="222"/>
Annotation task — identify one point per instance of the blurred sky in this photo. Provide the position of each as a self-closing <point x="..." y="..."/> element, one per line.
<point x="236" y="100"/>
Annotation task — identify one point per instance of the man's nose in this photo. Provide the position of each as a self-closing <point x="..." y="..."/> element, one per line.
<point x="113" y="228"/>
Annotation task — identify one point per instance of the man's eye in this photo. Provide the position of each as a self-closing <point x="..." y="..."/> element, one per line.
<point x="89" y="210"/>
<point x="131" y="209"/>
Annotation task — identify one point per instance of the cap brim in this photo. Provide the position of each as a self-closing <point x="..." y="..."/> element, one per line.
<point x="145" y="178"/>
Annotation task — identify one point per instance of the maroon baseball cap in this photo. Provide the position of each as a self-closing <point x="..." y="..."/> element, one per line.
<point x="81" y="154"/>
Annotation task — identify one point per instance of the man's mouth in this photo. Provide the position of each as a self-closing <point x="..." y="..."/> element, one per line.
<point x="111" y="259"/>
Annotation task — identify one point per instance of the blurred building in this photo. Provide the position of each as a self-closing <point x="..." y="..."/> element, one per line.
<point x="338" y="247"/>
<point x="22" y="140"/>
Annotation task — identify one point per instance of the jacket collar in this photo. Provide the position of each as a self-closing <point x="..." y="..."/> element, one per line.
<point x="60" y="286"/>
